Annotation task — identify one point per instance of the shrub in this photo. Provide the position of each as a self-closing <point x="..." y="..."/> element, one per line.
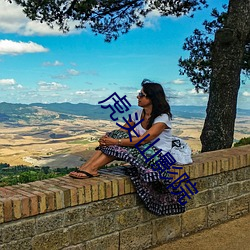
<point x="21" y="174"/>
<point x="242" y="142"/>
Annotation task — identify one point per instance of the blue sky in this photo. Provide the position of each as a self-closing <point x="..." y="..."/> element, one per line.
<point x="38" y="64"/>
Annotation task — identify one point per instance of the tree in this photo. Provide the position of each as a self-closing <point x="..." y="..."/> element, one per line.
<point x="113" y="17"/>
<point x="198" y="65"/>
<point x="217" y="132"/>
<point x="227" y="57"/>
<point x="108" y="17"/>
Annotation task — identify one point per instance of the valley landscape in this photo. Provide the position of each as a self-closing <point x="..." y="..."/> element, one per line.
<point x="65" y="135"/>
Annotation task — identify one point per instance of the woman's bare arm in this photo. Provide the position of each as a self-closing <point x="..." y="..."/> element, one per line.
<point x="131" y="124"/>
<point x="152" y="133"/>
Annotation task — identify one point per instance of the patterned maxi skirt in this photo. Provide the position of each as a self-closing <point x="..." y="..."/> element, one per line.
<point x="153" y="190"/>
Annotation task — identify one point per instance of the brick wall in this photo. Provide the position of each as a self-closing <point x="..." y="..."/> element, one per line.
<point x="105" y="212"/>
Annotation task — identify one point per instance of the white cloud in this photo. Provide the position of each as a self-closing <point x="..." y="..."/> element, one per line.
<point x="100" y="89"/>
<point x="15" y="48"/>
<point x="11" y="17"/>
<point x="19" y="86"/>
<point x="60" y="76"/>
<point x="194" y="92"/>
<point x="178" y="81"/>
<point x="80" y="92"/>
<point x="186" y="97"/>
<point x="70" y="72"/>
<point x="7" y="82"/>
<point x="152" y="19"/>
<point x="13" y="20"/>
<point x="54" y="94"/>
<point x="55" y="63"/>
<point x="10" y="84"/>
<point x="73" y="72"/>
<point x="51" y="86"/>
<point x="39" y="29"/>
<point x="92" y="95"/>
<point x="153" y="14"/>
<point x="246" y="93"/>
<point x="180" y="93"/>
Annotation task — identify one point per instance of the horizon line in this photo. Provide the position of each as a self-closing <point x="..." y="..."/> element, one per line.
<point x="99" y="104"/>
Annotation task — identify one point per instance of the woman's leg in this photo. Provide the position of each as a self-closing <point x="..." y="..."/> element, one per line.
<point x="102" y="160"/>
<point x="98" y="160"/>
<point x="92" y="159"/>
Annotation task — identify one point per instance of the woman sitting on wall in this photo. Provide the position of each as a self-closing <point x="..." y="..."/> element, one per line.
<point x="117" y="145"/>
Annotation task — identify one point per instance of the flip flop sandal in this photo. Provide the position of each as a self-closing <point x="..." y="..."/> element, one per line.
<point x="87" y="175"/>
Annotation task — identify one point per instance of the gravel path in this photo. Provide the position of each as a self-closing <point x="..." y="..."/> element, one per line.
<point x="233" y="235"/>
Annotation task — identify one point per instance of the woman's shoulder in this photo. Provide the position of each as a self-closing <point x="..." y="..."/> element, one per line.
<point x="163" y="116"/>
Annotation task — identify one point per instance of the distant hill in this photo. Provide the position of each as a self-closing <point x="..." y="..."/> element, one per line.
<point x="3" y="117"/>
<point x="48" y="112"/>
<point x="94" y="112"/>
<point x="189" y="111"/>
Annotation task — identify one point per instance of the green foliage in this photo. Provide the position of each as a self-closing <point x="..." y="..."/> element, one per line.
<point x="3" y="165"/>
<point x="23" y="174"/>
<point x="242" y="142"/>
<point x="198" y="66"/>
<point x="109" y="17"/>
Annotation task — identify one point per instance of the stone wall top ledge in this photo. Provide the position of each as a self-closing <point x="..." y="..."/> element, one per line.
<point x="39" y="197"/>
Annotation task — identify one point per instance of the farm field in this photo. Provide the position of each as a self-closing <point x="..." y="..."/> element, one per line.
<point x="62" y="143"/>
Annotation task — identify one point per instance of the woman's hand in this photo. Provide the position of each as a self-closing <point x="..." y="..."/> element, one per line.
<point x="107" y="141"/>
<point x="103" y="137"/>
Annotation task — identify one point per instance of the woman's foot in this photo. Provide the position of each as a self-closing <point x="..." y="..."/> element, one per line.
<point x="83" y="174"/>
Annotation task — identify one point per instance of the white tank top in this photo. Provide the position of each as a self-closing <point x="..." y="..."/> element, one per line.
<point x="165" y="142"/>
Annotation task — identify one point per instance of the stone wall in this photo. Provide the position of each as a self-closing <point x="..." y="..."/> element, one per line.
<point x="105" y="212"/>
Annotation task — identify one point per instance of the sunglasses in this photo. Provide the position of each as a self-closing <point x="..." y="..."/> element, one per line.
<point x="140" y="94"/>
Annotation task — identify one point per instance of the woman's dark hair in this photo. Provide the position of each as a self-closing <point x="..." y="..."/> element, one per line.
<point x="155" y="93"/>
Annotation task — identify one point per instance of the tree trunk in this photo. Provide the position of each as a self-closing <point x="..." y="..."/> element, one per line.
<point x="227" y="56"/>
